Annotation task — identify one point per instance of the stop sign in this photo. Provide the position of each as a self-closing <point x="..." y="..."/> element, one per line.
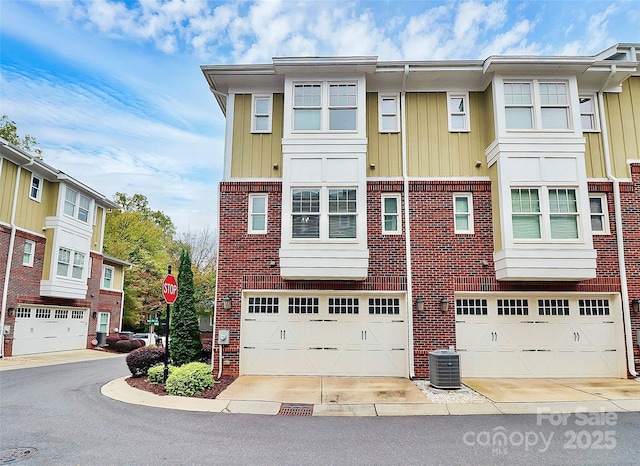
<point x="170" y="289"/>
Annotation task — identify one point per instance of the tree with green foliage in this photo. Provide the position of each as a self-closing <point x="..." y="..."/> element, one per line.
<point x="184" y="331"/>
<point x="9" y="131"/>
<point x="143" y="237"/>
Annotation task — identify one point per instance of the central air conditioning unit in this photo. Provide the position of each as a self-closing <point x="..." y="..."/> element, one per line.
<point x="444" y="369"/>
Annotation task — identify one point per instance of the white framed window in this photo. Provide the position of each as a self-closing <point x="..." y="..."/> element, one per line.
<point x="28" y="253"/>
<point x="599" y="214"/>
<point x="258" y="213"/>
<point x="391" y="221"/>
<point x="307" y="107"/>
<point x="388" y="112"/>
<point x="457" y="105"/>
<point x="261" y="109"/>
<point x="589" y="114"/>
<point x="343" y="107"/>
<point x="463" y="213"/>
<point x="107" y="277"/>
<point x="70" y="264"/>
<point x="325" y="106"/>
<point x="102" y="324"/>
<point x="324" y="213"/>
<point x="35" y="191"/>
<point x="77" y="205"/>
<point x="546" y="213"/>
<point x="537" y="105"/>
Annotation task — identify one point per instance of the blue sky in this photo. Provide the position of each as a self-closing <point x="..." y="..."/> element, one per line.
<point x="113" y="92"/>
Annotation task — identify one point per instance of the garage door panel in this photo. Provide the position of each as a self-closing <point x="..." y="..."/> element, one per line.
<point x="559" y="336"/>
<point x="326" y="336"/>
<point x="45" y="330"/>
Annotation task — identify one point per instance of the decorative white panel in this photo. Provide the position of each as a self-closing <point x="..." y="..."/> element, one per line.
<point x="560" y="169"/>
<point x="306" y="170"/>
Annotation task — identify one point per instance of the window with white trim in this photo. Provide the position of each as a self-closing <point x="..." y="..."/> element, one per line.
<point x="599" y="214"/>
<point x="325" y="106"/>
<point x="391" y="222"/>
<point x="537" y="105"/>
<point x="589" y="114"/>
<point x="102" y="324"/>
<point x="70" y="264"/>
<point x="324" y="213"/>
<point x="553" y="217"/>
<point x="28" y="253"/>
<point x="77" y="205"/>
<point x="258" y="213"/>
<point x="261" y="106"/>
<point x="35" y="191"/>
<point x="463" y="213"/>
<point x="457" y="104"/>
<point x="388" y="112"/>
<point x="107" y="277"/>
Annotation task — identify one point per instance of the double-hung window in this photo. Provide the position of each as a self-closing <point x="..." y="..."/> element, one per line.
<point x="29" y="252"/>
<point x="343" y="102"/>
<point x="257" y="213"/>
<point x="463" y="213"/>
<point x="307" y="107"/>
<point x="324" y="213"/>
<point x="545" y="213"/>
<point x="388" y="113"/>
<point x="458" y="112"/>
<point x="391" y="224"/>
<point x="325" y="106"/>
<point x="343" y="209"/>
<point x="537" y="105"/>
<point x="107" y="277"/>
<point x="77" y="205"/>
<point x="102" y="325"/>
<point x="70" y="264"/>
<point x="35" y="192"/>
<point x="599" y="214"/>
<point x="261" y="110"/>
<point x="588" y="114"/>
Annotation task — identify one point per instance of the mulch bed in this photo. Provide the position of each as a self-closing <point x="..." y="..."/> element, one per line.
<point x="158" y="388"/>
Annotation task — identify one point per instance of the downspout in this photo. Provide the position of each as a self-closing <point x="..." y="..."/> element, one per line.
<point x="12" y="240"/>
<point x="407" y="229"/>
<point x="227" y="173"/>
<point x="624" y="289"/>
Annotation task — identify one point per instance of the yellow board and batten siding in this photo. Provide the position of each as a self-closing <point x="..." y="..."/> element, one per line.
<point x="384" y="150"/>
<point x="254" y="154"/>
<point x="622" y="114"/>
<point x="434" y="151"/>
<point x="96" y="236"/>
<point x="7" y="187"/>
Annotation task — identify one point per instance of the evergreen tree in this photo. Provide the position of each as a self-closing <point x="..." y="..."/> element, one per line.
<point x="184" y="333"/>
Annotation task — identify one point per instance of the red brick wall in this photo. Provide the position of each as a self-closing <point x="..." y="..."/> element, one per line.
<point x="442" y="262"/>
<point x="631" y="227"/>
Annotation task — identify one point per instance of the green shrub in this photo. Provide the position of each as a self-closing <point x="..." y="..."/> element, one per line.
<point x="125" y="346"/>
<point x="156" y="373"/>
<point x="142" y="359"/>
<point x="190" y="379"/>
<point x="115" y="338"/>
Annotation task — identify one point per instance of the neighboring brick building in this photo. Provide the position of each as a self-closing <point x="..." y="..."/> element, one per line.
<point x="58" y="288"/>
<point x="372" y="212"/>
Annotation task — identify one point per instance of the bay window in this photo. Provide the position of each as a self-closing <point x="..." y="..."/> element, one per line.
<point x="324" y="213"/>
<point x="544" y="213"/>
<point x="307" y="107"/>
<point x="76" y="205"/>
<point x="342" y="107"/>
<point x="325" y="106"/>
<point x="70" y="264"/>
<point x="537" y="105"/>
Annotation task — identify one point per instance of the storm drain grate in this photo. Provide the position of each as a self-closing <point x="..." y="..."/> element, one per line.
<point x="13" y="455"/>
<point x="291" y="409"/>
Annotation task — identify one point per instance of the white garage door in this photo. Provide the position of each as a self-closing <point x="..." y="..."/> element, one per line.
<point x="324" y="335"/>
<point x="540" y="336"/>
<point x="45" y="330"/>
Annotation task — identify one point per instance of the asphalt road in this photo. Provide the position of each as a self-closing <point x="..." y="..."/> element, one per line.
<point x="59" y="411"/>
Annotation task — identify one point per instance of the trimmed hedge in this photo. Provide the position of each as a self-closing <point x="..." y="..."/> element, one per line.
<point x="142" y="359"/>
<point x="125" y="346"/>
<point x="115" y="338"/>
<point x="156" y="373"/>
<point x="190" y="379"/>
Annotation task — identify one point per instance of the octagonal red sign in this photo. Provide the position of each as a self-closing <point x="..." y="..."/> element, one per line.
<point x="170" y="289"/>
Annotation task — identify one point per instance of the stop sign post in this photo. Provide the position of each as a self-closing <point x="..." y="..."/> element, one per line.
<point x="170" y="294"/>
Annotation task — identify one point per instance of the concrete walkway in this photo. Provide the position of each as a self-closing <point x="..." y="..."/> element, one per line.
<point x="346" y="396"/>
